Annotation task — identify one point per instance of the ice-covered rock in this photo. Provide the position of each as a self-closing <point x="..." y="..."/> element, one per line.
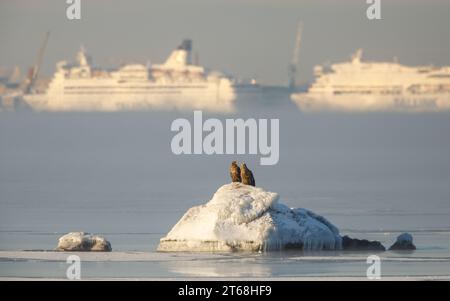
<point x="245" y="218"/>
<point x="404" y="242"/>
<point x="81" y="241"/>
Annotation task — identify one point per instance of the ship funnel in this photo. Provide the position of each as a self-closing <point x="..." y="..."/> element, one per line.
<point x="180" y="57"/>
<point x="83" y="58"/>
<point x="356" y="57"/>
<point x="186" y="45"/>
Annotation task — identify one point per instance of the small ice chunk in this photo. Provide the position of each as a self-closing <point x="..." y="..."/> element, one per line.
<point x="81" y="241"/>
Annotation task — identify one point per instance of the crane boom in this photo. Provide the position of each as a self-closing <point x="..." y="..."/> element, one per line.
<point x="32" y="76"/>
<point x="298" y="40"/>
<point x="295" y="56"/>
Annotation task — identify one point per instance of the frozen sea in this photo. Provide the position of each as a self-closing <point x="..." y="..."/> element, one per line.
<point x="372" y="175"/>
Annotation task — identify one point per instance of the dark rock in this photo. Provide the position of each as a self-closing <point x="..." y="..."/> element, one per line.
<point x="404" y="242"/>
<point x="354" y="244"/>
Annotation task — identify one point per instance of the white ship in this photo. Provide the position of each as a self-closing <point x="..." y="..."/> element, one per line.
<point x="377" y="86"/>
<point x="175" y="84"/>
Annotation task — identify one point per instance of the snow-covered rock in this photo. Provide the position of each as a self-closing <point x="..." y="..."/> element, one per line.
<point x="81" y="241"/>
<point x="404" y="242"/>
<point x="245" y="218"/>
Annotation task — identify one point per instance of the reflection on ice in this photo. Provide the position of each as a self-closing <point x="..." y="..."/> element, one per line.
<point x="220" y="268"/>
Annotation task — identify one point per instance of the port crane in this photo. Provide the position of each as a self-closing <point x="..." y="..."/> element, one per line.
<point x="293" y="66"/>
<point x="34" y="71"/>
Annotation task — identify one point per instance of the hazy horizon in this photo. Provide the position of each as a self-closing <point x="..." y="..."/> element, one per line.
<point x="246" y="38"/>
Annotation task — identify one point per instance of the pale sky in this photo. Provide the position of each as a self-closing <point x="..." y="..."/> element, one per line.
<point x="247" y="38"/>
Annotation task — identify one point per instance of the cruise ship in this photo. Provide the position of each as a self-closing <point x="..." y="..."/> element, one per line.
<point x="376" y="86"/>
<point x="176" y="84"/>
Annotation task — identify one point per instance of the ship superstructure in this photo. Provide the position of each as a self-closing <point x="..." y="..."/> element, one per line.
<point x="359" y="86"/>
<point x="175" y="84"/>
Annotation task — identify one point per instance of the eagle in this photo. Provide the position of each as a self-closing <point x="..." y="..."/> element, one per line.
<point x="247" y="175"/>
<point x="235" y="172"/>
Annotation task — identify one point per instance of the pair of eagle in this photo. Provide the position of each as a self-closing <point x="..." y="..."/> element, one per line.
<point x="242" y="174"/>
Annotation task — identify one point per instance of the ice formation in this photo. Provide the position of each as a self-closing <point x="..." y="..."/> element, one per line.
<point x="404" y="242"/>
<point x="245" y="218"/>
<point x="81" y="241"/>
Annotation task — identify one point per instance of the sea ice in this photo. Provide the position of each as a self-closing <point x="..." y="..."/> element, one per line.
<point x="245" y="218"/>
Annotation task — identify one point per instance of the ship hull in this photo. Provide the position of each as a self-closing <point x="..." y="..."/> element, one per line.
<point x="215" y="100"/>
<point x="111" y="103"/>
<point x="364" y="102"/>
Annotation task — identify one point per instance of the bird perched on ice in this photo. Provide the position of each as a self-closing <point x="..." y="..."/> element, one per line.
<point x="235" y="172"/>
<point x="247" y="175"/>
